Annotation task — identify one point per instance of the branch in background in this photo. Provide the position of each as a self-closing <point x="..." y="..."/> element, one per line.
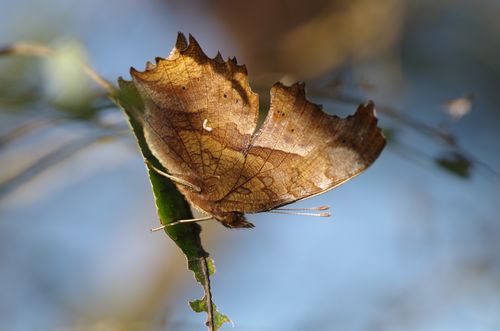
<point x="29" y="127"/>
<point x="39" y="50"/>
<point x="67" y="150"/>
<point x="57" y="156"/>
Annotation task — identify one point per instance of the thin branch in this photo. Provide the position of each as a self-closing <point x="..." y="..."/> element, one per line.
<point x="62" y="153"/>
<point x="35" y="49"/>
<point x="29" y="127"/>
<point x="402" y="118"/>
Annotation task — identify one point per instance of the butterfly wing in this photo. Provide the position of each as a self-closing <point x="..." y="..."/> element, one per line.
<point x="199" y="119"/>
<point x="300" y="151"/>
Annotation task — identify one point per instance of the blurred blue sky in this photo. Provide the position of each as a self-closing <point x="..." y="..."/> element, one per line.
<point x="409" y="245"/>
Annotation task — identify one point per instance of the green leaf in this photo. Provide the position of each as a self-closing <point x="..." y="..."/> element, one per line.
<point x="172" y="206"/>
<point x="389" y="134"/>
<point x="456" y="164"/>
<point x="202" y="270"/>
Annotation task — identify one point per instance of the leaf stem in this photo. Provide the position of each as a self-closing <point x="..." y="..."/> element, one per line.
<point x="208" y="294"/>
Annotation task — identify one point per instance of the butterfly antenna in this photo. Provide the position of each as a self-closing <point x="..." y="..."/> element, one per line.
<point x="308" y="208"/>
<point x="192" y="220"/>
<point x="278" y="211"/>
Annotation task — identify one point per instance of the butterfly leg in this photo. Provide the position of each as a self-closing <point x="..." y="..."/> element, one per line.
<point x="173" y="178"/>
<point x="192" y="220"/>
<point x="240" y="225"/>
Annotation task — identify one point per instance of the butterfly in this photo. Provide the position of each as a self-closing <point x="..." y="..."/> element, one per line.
<point x="200" y="122"/>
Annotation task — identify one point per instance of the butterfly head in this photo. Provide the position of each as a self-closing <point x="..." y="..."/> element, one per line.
<point x="233" y="220"/>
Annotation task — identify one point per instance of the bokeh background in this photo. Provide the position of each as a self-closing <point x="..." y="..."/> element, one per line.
<point x="413" y="244"/>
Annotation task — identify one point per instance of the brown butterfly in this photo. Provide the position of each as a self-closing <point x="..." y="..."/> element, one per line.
<point x="200" y="122"/>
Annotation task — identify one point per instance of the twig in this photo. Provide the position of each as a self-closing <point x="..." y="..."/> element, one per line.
<point x="422" y="128"/>
<point x="35" y="49"/>
<point x="62" y="153"/>
<point x="27" y="128"/>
